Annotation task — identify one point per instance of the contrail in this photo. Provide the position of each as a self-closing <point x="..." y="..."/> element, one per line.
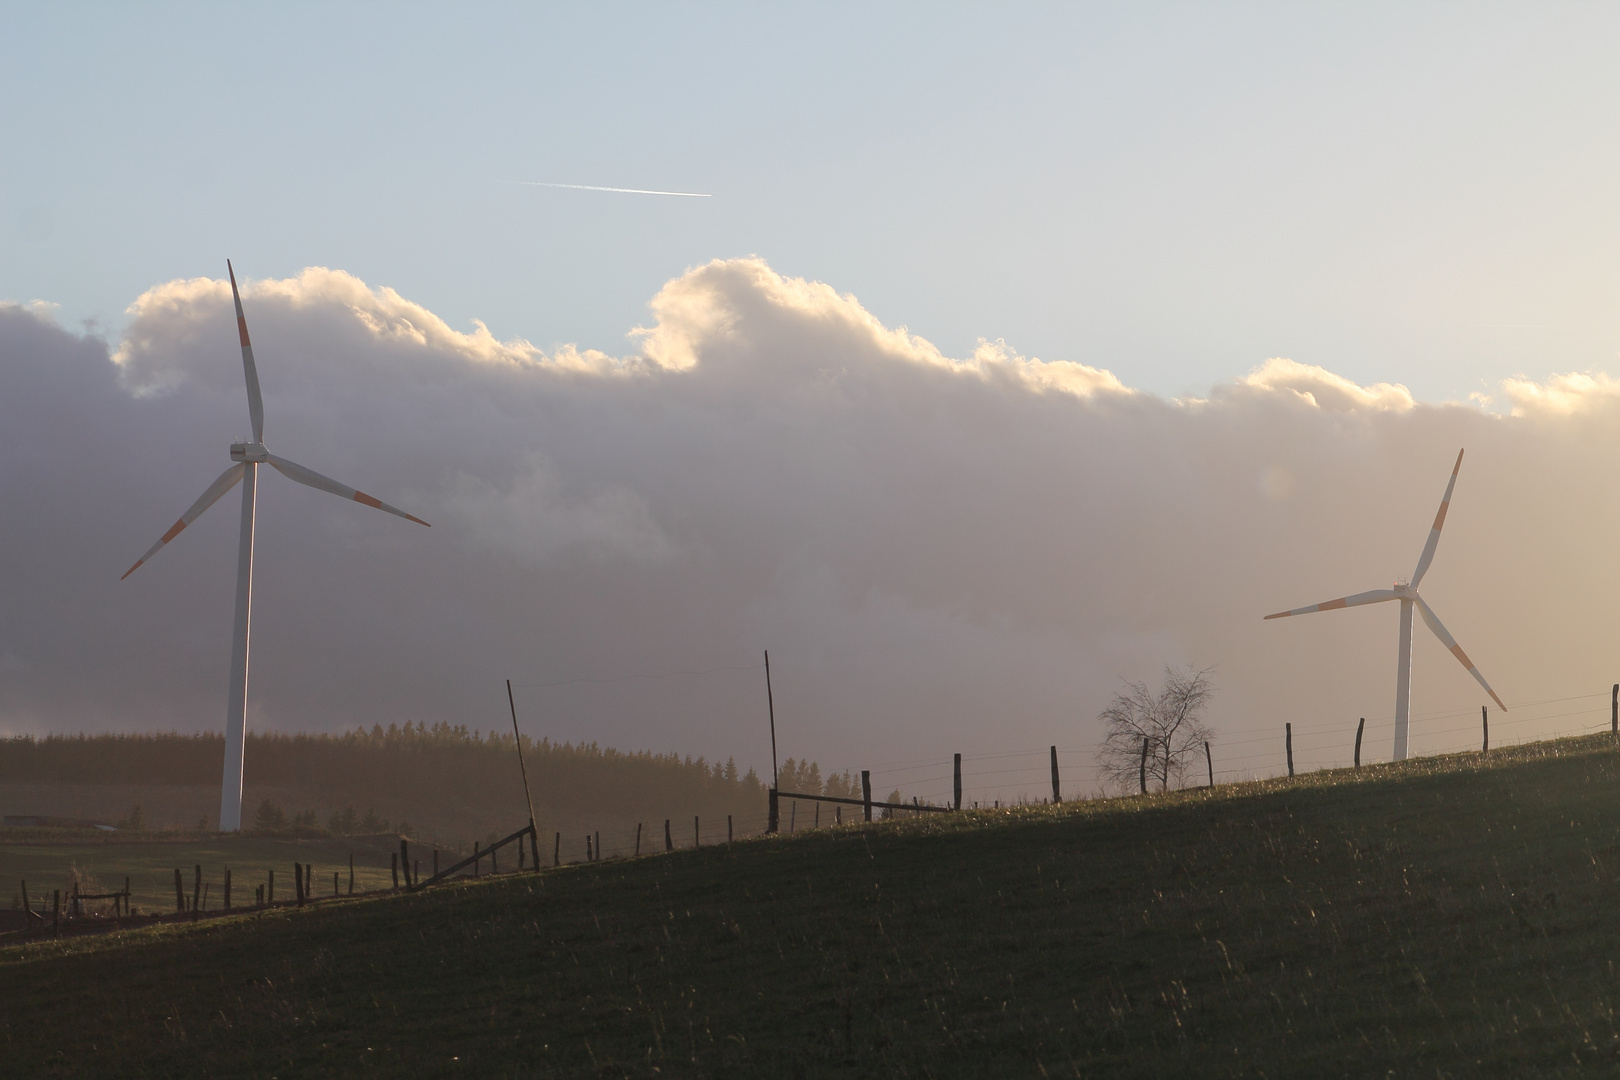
<point x="620" y="190"/>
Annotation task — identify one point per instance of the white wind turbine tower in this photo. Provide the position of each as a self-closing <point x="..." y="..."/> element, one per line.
<point x="1407" y="594"/>
<point x="247" y="458"/>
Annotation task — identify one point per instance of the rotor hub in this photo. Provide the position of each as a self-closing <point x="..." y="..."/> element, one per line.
<point x="249" y="451"/>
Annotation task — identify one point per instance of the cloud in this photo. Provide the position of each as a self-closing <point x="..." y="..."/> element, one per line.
<point x="942" y="553"/>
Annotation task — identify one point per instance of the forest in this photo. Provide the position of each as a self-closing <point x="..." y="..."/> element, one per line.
<point x="444" y="783"/>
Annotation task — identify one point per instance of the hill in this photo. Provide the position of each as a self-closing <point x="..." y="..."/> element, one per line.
<point x="1451" y="916"/>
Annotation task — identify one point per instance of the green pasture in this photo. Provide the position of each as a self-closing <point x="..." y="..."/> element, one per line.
<point x="101" y="865"/>
<point x="1451" y="917"/>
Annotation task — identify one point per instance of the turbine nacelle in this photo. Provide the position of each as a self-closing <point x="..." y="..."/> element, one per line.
<point x="249" y="451"/>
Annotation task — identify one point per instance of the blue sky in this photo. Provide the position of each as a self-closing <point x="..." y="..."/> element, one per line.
<point x="1412" y="193"/>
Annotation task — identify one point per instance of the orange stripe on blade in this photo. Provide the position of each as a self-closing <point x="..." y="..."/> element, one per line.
<point x="419" y="521"/>
<point x="1456" y="650"/>
<point x="131" y="570"/>
<point x="362" y="497"/>
<point x="241" y="329"/>
<point x="1440" y="518"/>
<point x="1333" y="605"/>
<point x="174" y="530"/>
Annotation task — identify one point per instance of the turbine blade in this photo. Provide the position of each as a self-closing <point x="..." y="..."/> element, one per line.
<point x="1456" y="650"/>
<point x="1376" y="596"/>
<point x="294" y="471"/>
<point x="1434" y="531"/>
<point x="255" y="401"/>
<point x="227" y="480"/>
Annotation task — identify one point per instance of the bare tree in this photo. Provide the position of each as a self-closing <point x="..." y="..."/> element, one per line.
<point x="1170" y="721"/>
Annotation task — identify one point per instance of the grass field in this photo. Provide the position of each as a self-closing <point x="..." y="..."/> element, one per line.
<point x="1449" y="917"/>
<point x="102" y="865"/>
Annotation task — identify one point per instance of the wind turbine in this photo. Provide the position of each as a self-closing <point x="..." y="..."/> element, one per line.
<point x="247" y="457"/>
<point x="1407" y="594"/>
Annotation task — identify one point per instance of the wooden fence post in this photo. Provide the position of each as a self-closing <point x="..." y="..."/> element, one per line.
<point x="669" y="845"/>
<point x="1057" y="796"/>
<point x="1142" y="774"/>
<point x="1210" y="761"/>
<point x="728" y="828"/>
<point x="179" y="892"/>
<point x="405" y="860"/>
<point x="227" y="888"/>
<point x="1288" y="744"/>
<point x="589" y="855"/>
<point x="28" y="912"/>
<point x="956" y="784"/>
<point x="793" y="816"/>
<point x="1614" y="709"/>
<point x="1359" y="729"/>
<point x="697" y="833"/>
<point x="556" y="849"/>
<point x="598" y="847"/>
<point x="298" y="882"/>
<point x="534" y="846"/>
<point x="638" y="838"/>
<point x="393" y="868"/>
<point x="773" y="815"/>
<point x="1485" y="724"/>
<point x="866" y="791"/>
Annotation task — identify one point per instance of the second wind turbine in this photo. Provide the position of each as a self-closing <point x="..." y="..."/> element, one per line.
<point x="1407" y="593"/>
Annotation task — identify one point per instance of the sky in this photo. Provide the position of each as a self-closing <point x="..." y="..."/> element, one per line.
<point x="1017" y="351"/>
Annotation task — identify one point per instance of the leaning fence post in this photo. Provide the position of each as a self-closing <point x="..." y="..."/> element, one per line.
<point x="1210" y="762"/>
<point x="1614" y="709"/>
<point x="1142" y="772"/>
<point x="1288" y="744"/>
<point x="638" y="838"/>
<point x="1485" y="724"/>
<point x="669" y="845"/>
<point x="957" y="783"/>
<point x="773" y="814"/>
<point x="179" y="892"/>
<point x="534" y="846"/>
<point x="866" y="791"/>
<point x="1057" y="796"/>
<point x="1359" y="728"/>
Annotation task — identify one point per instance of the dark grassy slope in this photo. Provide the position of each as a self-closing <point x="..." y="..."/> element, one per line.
<point x="1448" y="917"/>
